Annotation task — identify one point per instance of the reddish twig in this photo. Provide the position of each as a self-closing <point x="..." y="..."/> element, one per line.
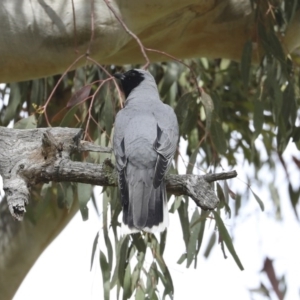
<point x="130" y="33"/>
<point x="110" y="77"/>
<point x="144" y="50"/>
<point x="199" y="89"/>
<point x="57" y="84"/>
<point x="91" y="105"/>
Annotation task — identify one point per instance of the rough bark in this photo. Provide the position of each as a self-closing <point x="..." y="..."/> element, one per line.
<point x="33" y="156"/>
<point x="42" y="37"/>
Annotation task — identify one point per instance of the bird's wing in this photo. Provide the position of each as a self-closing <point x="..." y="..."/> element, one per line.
<point x="119" y="151"/>
<point x="165" y="143"/>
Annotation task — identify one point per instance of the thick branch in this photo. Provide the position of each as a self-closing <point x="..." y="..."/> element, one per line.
<point x="184" y="29"/>
<point x="40" y="155"/>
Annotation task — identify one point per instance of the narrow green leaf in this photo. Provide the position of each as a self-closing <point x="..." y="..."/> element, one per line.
<point x="80" y="96"/>
<point x="246" y="63"/>
<point x="95" y="204"/>
<point x="27" y="123"/>
<point x="84" y="192"/>
<point x="135" y="277"/>
<point x="294" y="196"/>
<point x="200" y="219"/>
<point x="69" y="198"/>
<point x="94" y="249"/>
<point x="69" y="117"/>
<point x="60" y="195"/>
<point x="217" y="102"/>
<point x="152" y="280"/>
<point x="105" y="275"/>
<point x="273" y="46"/>
<point x="139" y="242"/>
<point x="204" y="215"/>
<point x="194" y="232"/>
<point x="218" y="137"/>
<point x="227" y="239"/>
<point x="109" y="249"/>
<point x="167" y="279"/>
<point x="259" y="201"/>
<point x="290" y="9"/>
<point x="258" y="116"/>
<point x="107" y="115"/>
<point x="162" y="244"/>
<point x="184" y="220"/>
<point x="187" y="112"/>
<point x="105" y="202"/>
<point x="182" y="258"/>
<point x="209" y="107"/>
<point x="223" y="200"/>
<point x="210" y="245"/>
<point x="127" y="283"/>
<point x="176" y="204"/>
<point x="140" y="294"/>
<point x="230" y="192"/>
<point x="170" y="77"/>
<point x="221" y="196"/>
<point x="123" y="256"/>
<point x="192" y="161"/>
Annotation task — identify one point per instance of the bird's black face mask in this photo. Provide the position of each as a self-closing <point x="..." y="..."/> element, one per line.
<point x="129" y="80"/>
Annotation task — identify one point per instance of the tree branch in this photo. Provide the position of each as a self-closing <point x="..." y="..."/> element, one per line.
<point x="41" y="155"/>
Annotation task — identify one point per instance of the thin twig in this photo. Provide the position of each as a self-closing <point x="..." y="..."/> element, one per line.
<point x="91" y="105"/>
<point x="110" y="77"/>
<point x="144" y="50"/>
<point x="199" y="89"/>
<point x="130" y="33"/>
<point x="57" y="84"/>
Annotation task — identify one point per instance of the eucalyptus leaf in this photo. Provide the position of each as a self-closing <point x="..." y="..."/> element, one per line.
<point x="105" y="275"/>
<point x="194" y="232"/>
<point x="209" y="107"/>
<point x="227" y="239"/>
<point x="259" y="201"/>
<point x="27" y="123"/>
<point x="127" y="283"/>
<point x="218" y="137"/>
<point x="84" y="192"/>
<point x="80" y="96"/>
<point x="246" y="63"/>
<point x="94" y="249"/>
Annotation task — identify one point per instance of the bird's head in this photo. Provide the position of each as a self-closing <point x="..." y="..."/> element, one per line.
<point x="132" y="79"/>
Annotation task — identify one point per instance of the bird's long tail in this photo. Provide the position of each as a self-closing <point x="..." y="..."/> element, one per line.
<point x="147" y="207"/>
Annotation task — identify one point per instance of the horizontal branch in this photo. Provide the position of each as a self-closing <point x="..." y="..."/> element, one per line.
<point x="42" y="155"/>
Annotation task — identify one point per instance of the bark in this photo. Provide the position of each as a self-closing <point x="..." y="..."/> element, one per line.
<point x="42" y="37"/>
<point x="33" y="156"/>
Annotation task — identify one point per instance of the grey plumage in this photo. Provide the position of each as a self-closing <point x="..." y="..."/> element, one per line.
<point x="145" y="140"/>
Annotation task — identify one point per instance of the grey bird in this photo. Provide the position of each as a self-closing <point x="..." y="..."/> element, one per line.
<point x="145" y="140"/>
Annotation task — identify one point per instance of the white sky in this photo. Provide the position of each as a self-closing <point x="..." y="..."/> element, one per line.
<point x="62" y="271"/>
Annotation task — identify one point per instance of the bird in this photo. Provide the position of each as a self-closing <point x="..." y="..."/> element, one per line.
<point x="145" y="139"/>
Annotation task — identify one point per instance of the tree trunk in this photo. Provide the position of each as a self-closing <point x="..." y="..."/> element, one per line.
<point x="43" y="37"/>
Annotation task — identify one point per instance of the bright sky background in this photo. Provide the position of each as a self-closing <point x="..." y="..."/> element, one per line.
<point x="62" y="271"/>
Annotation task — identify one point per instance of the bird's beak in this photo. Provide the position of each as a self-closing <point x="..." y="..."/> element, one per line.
<point x="119" y="76"/>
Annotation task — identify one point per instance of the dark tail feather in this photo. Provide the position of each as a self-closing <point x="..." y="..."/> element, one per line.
<point x="147" y="209"/>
